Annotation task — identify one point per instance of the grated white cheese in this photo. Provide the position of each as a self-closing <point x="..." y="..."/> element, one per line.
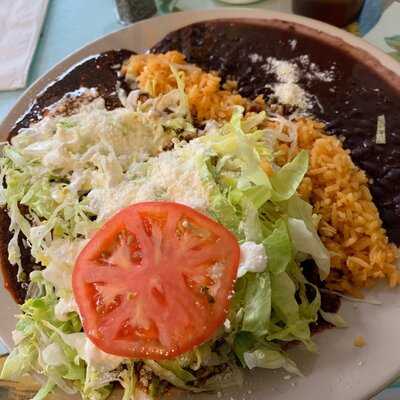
<point x="95" y="143"/>
<point x="288" y="90"/>
<point x="293" y="44"/>
<point x="252" y="258"/>
<point x="171" y="176"/>
<point x="216" y="272"/>
<point x="254" y="57"/>
<point x="176" y="176"/>
<point x="292" y="94"/>
<point x="65" y="306"/>
<point x="313" y="72"/>
<point x="53" y="355"/>
<point x="227" y="325"/>
<point x="60" y="259"/>
<point x="284" y="70"/>
<point x="92" y="355"/>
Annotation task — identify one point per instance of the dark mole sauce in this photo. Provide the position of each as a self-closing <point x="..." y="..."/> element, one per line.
<point x="98" y="72"/>
<point x="361" y="91"/>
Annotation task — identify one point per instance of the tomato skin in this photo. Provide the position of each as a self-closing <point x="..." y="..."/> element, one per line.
<point x="155" y="281"/>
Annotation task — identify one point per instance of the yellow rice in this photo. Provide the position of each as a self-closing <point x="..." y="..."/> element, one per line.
<point x="206" y="99"/>
<point x="350" y="226"/>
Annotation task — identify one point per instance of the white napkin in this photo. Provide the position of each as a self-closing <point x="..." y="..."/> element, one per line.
<point x="20" y="25"/>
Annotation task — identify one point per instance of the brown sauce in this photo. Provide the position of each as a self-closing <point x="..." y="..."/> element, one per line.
<point x="99" y="71"/>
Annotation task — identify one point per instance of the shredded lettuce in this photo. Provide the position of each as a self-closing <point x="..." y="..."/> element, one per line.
<point x="20" y="361"/>
<point x="44" y="390"/>
<point x="64" y="176"/>
<point x="286" y="181"/>
<point x="283" y="297"/>
<point x="170" y="376"/>
<point x="46" y="346"/>
<point x="251" y="224"/>
<point x="254" y="353"/>
<point x="304" y="235"/>
<point x="184" y="108"/>
<point x="257" y="303"/>
<point x="127" y="379"/>
<point x="229" y="377"/>
<point x="334" y="319"/>
<point x="173" y="366"/>
<point x="270" y="358"/>
<point x="279" y="248"/>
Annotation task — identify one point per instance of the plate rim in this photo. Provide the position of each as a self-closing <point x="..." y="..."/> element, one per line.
<point x="78" y="56"/>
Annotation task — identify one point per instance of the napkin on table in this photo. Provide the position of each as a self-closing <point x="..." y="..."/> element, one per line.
<point x="20" y="25"/>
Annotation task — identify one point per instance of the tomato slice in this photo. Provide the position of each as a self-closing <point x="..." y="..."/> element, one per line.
<point x="155" y="280"/>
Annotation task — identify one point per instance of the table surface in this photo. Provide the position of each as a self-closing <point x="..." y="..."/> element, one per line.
<point x="69" y="25"/>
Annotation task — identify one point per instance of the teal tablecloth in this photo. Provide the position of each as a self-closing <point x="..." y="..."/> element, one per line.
<point x="71" y="24"/>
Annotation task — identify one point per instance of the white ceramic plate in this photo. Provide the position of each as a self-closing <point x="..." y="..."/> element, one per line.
<point x="339" y="371"/>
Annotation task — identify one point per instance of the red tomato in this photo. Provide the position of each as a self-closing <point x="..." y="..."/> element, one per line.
<point x="155" y="281"/>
